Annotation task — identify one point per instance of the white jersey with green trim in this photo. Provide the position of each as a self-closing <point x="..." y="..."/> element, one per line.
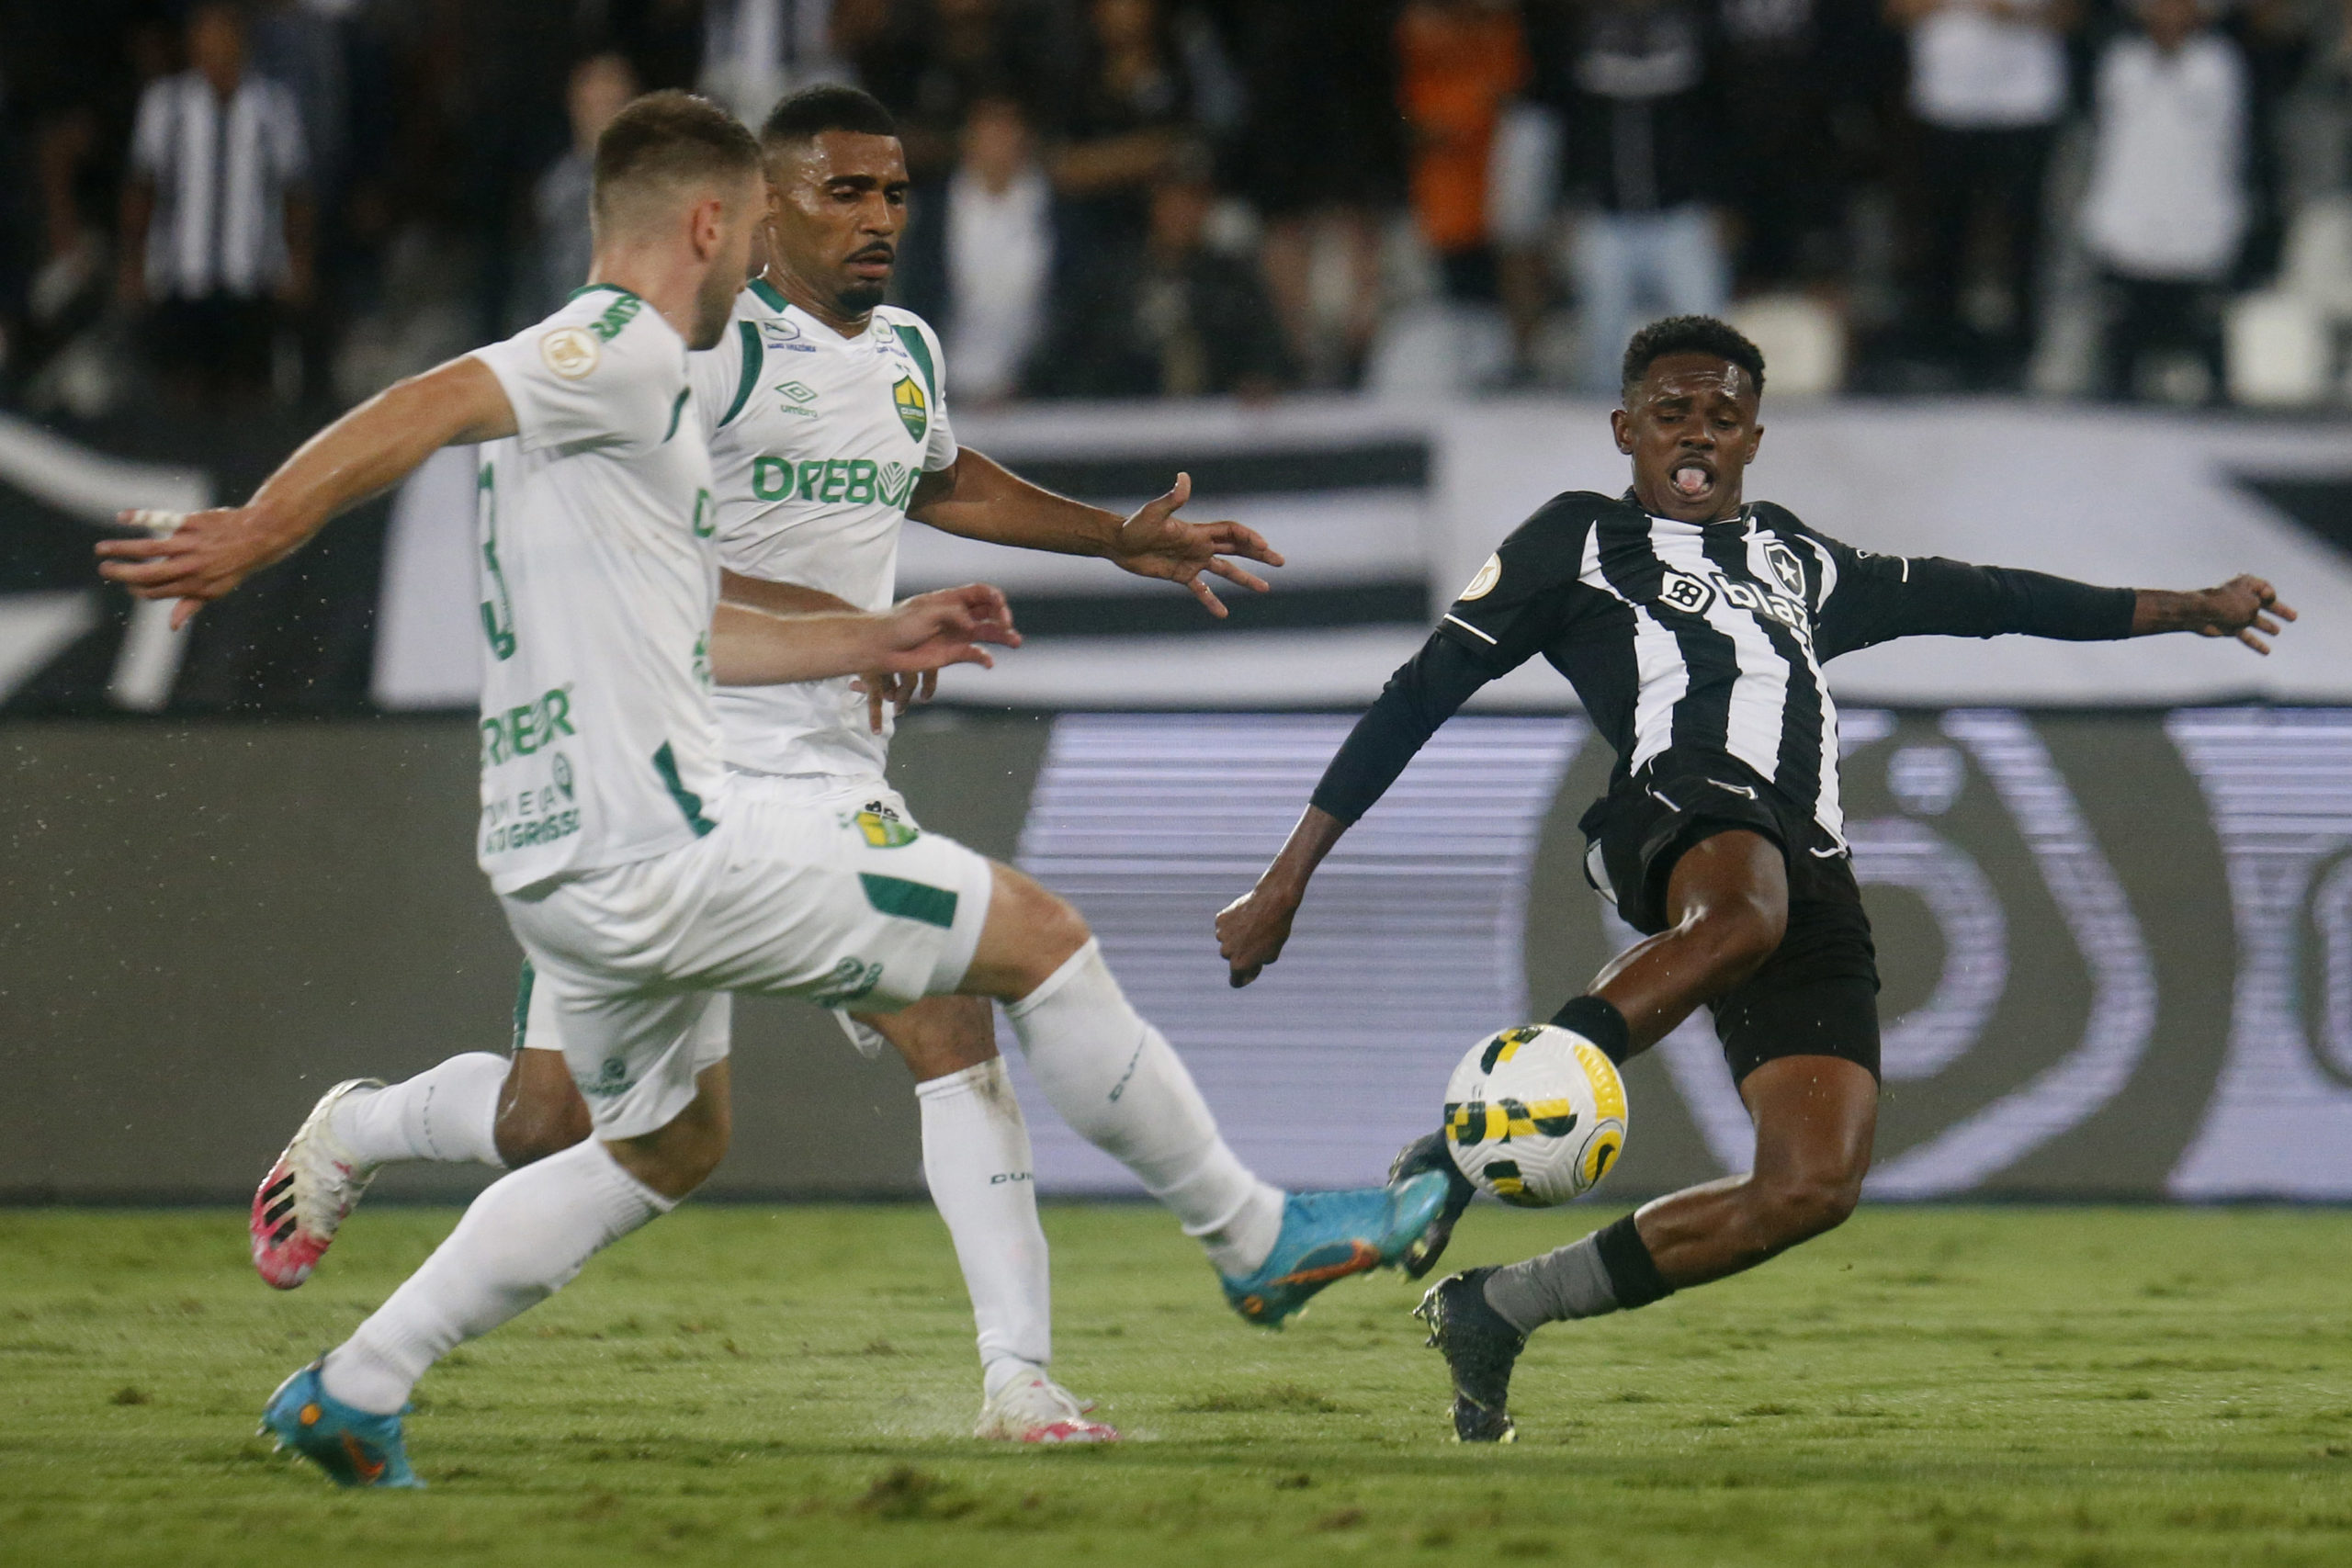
<point x="599" y="575"/>
<point x="815" y="443"/>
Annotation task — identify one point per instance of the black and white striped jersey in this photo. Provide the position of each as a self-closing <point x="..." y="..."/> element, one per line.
<point x="1697" y="637"/>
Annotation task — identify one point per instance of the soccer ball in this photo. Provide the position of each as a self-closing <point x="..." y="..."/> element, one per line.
<point x="1535" y="1115"/>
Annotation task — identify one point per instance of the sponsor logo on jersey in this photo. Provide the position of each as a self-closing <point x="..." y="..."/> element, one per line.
<point x="786" y="335"/>
<point x="1680" y="590"/>
<point x="832" y="482"/>
<point x="569" y="352"/>
<point x="521" y="731"/>
<point x="1693" y="596"/>
<point x="797" y="392"/>
<point x="914" y="413"/>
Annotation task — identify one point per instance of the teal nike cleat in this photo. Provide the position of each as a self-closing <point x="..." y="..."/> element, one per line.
<point x="1330" y="1235"/>
<point x="355" y="1448"/>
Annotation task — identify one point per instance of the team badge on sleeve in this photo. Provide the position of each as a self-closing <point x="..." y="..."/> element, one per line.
<point x="1483" y="584"/>
<point x="569" y="352"/>
<point x="914" y="411"/>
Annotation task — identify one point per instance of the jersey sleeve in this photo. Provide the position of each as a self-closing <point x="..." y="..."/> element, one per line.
<point x="571" y="386"/>
<point x="1868" y="599"/>
<point x="724" y="377"/>
<point x="939" y="448"/>
<point x="1520" y="600"/>
<point x="1423" y="693"/>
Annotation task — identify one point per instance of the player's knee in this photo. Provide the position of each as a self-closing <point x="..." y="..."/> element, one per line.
<point x="1798" y="1208"/>
<point x="540" y="1118"/>
<point x="1737" y="936"/>
<point x="1045" y="927"/>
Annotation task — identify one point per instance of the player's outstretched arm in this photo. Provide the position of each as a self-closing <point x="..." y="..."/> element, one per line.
<point x="1424" y="693"/>
<point x="882" y="689"/>
<point x="929" y="631"/>
<point x="366" y="451"/>
<point x="2246" y="607"/>
<point x="979" y="498"/>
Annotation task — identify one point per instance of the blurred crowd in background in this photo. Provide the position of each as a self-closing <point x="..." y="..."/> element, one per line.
<point x="294" y="203"/>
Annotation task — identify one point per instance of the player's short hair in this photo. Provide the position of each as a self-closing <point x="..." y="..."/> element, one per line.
<point x="668" y="140"/>
<point x="829" y="106"/>
<point x="1691" y="334"/>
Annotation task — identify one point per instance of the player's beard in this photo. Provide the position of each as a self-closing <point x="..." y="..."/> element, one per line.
<point x="858" y="299"/>
<point x="712" y="304"/>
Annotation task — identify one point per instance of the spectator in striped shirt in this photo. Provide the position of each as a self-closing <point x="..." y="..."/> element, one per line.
<point x="216" y="216"/>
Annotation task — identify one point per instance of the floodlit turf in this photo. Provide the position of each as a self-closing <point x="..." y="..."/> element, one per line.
<point x="751" y="1385"/>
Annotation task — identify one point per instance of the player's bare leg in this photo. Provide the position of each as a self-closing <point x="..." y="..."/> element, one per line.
<point x="1116" y="1080"/>
<point x="1728" y="897"/>
<point x="977" y="1163"/>
<point x="1815" y="1115"/>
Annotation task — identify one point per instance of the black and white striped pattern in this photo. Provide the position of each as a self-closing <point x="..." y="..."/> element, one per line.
<point x="1725" y="673"/>
<point x="221" y="172"/>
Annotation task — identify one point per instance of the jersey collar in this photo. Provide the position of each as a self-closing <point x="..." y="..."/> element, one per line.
<point x="1739" y="518"/>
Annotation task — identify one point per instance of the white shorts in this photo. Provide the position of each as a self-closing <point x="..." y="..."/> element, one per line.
<point x="827" y="895"/>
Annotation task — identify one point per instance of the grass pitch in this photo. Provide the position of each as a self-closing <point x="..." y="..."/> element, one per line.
<point x="2073" y="1386"/>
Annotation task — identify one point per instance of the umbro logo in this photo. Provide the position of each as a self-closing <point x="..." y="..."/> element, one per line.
<point x="797" y="392"/>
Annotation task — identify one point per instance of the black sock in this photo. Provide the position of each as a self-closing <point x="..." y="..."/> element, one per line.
<point x="1633" y="1273"/>
<point x="1598" y="1019"/>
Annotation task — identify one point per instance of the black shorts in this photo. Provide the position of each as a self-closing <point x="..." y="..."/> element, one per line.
<point x="1818" y="995"/>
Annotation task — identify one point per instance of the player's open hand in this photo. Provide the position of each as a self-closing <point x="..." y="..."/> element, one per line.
<point x="1154" y="542"/>
<point x="194" y="558"/>
<point x="894" y="694"/>
<point x="1251" y="931"/>
<point x="2246" y="607"/>
<point x="931" y="631"/>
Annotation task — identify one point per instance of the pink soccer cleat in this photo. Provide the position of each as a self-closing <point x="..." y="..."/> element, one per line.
<point x="307" y="1195"/>
<point x="1036" y="1409"/>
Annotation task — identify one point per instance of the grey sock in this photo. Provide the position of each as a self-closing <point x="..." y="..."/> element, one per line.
<point x="1569" y="1282"/>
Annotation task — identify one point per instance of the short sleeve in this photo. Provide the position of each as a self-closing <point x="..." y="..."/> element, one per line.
<point x="1522" y="598"/>
<point x="151" y="137"/>
<point x="939" y="449"/>
<point x="922" y="345"/>
<point x="613" y="380"/>
<point x="724" y="377"/>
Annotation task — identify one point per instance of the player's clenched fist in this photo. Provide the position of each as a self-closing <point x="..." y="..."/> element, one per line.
<point x="1251" y="930"/>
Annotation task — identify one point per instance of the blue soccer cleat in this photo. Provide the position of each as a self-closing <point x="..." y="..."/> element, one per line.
<point x="355" y="1448"/>
<point x="1330" y="1235"/>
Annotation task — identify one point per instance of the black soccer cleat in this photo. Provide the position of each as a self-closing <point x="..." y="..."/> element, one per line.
<point x="1480" y="1348"/>
<point x="1428" y="1153"/>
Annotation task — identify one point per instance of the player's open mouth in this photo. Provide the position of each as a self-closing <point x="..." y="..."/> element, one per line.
<point x="1690" y="480"/>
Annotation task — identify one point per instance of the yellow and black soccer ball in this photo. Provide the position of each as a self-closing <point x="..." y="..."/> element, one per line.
<point x="1535" y="1115"/>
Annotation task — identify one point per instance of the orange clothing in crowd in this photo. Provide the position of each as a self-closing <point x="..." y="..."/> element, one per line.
<point x="1458" y="63"/>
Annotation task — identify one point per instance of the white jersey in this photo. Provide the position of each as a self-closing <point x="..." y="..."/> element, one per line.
<point x="815" y="443"/>
<point x="599" y="577"/>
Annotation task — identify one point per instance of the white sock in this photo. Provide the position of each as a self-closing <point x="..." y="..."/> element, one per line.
<point x="1121" y="1087"/>
<point x="976" y="1161"/>
<point x="522" y="1241"/>
<point x="448" y="1113"/>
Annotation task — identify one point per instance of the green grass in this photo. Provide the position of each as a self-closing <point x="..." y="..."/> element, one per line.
<point x="2121" y="1387"/>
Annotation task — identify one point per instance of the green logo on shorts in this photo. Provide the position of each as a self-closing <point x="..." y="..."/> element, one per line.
<point x="851" y="981"/>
